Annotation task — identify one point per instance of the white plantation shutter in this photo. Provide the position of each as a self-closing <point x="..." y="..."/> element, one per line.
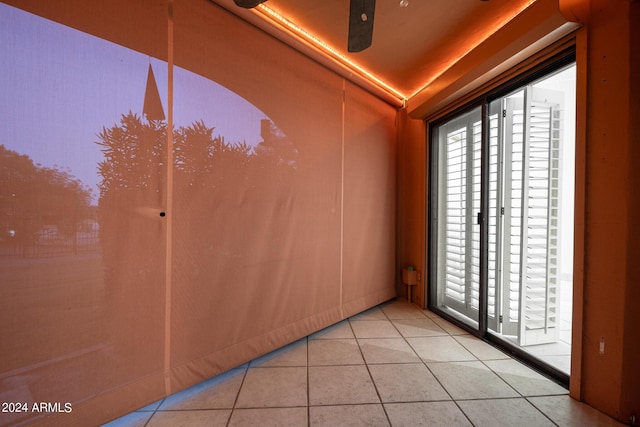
<point x="459" y="234"/>
<point x="539" y="282"/>
<point x="523" y="190"/>
<point x="528" y="284"/>
<point x="456" y="216"/>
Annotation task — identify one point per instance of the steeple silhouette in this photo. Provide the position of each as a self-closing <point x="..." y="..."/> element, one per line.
<point x="152" y="108"/>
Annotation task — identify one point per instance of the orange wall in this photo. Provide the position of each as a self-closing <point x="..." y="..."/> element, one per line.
<point x="411" y="231"/>
<point x="630" y="366"/>
<point x="609" y="379"/>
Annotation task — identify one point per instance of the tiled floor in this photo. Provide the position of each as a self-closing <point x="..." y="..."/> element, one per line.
<point x="392" y="365"/>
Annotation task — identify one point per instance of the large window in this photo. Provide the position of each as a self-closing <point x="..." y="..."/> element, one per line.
<point x="502" y="216"/>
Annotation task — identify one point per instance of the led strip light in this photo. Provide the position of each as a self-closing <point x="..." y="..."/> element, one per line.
<point x="494" y="29"/>
<point x="289" y="27"/>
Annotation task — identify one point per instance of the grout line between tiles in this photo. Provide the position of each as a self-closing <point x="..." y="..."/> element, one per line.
<point x="375" y="386"/>
<point x="154" y="411"/>
<point x="434" y="375"/>
<point x="235" y="401"/>
<point x="541" y="411"/>
<point x="308" y="388"/>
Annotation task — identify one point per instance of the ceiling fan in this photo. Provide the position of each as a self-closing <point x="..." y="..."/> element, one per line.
<point x="361" y="13"/>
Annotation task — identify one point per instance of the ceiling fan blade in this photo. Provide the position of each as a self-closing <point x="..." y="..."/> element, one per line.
<point x="248" y="4"/>
<point x="361" y="14"/>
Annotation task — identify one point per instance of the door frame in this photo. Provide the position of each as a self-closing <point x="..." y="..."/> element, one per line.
<point x="543" y="69"/>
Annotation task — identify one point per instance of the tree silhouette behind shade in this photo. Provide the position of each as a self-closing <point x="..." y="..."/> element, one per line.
<point x="33" y="196"/>
<point x="135" y="156"/>
<point x="211" y="178"/>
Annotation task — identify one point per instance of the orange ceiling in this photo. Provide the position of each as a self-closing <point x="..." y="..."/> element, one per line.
<point x="411" y="45"/>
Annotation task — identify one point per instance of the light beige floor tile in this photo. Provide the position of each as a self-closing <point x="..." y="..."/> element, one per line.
<point x="387" y="350"/>
<point x="449" y="327"/>
<point x="552" y="349"/>
<point x="133" y="419"/>
<point x="440" y="349"/>
<point x="341" y="330"/>
<point x="479" y="348"/>
<point x="470" y="380"/>
<point x="219" y="392"/>
<point x="503" y="413"/>
<point x="208" y="418"/>
<point x="525" y="380"/>
<point x="556" y="354"/>
<point x="347" y="415"/>
<point x="418" y="328"/>
<point x="560" y="362"/>
<point x="334" y="352"/>
<point x="294" y="354"/>
<point x="426" y="414"/>
<point x="567" y="412"/>
<point x="341" y="385"/>
<point x="269" y="387"/>
<point x="372" y="314"/>
<point x="374" y="329"/>
<point x="402" y="310"/>
<point x="269" y="417"/>
<point x="406" y="383"/>
<point x="430" y="314"/>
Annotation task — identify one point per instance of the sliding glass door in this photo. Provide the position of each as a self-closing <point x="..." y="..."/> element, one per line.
<point x="502" y="217"/>
<point x="459" y="187"/>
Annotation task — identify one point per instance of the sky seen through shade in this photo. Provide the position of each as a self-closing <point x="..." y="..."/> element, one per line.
<point x="61" y="87"/>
